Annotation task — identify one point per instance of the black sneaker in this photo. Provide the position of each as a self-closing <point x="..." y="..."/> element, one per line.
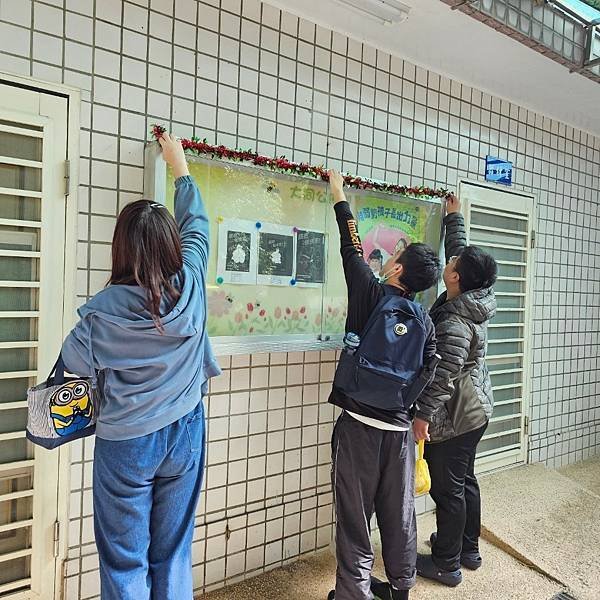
<point x="331" y="595"/>
<point x="469" y="560"/>
<point x="382" y="590"/>
<point x="428" y="569"/>
<point x="400" y="594"/>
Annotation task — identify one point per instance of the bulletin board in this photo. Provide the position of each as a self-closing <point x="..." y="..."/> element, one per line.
<point x="275" y="280"/>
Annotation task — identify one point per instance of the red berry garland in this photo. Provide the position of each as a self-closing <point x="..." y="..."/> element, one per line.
<point x="201" y="147"/>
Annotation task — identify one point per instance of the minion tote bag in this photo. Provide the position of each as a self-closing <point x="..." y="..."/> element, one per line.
<point x="61" y="409"/>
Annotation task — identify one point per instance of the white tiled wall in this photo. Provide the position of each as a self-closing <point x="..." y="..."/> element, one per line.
<point x="245" y="74"/>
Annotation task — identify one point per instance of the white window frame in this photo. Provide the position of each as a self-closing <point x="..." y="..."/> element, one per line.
<point x="492" y="463"/>
<point x="73" y="96"/>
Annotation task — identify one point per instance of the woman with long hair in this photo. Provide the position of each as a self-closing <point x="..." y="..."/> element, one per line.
<point x="144" y="339"/>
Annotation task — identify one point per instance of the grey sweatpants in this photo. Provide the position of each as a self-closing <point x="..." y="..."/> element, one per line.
<point x="373" y="471"/>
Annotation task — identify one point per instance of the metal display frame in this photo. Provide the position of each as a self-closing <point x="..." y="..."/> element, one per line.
<point x="155" y="187"/>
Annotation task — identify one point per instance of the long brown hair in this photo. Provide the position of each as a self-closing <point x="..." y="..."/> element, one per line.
<point x="146" y="251"/>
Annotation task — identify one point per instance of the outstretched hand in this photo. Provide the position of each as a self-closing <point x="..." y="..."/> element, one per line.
<point x="172" y="152"/>
<point x="452" y="204"/>
<point x="336" y="183"/>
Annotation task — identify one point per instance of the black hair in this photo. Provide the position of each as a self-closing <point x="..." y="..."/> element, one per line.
<point x="476" y="269"/>
<point x="146" y="251"/>
<point x="376" y="255"/>
<point x="421" y="267"/>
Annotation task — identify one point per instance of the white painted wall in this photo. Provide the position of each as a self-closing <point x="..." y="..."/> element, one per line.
<point x="450" y="42"/>
<point x="247" y="75"/>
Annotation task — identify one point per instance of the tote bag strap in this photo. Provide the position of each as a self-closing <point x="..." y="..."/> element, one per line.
<point x="57" y="374"/>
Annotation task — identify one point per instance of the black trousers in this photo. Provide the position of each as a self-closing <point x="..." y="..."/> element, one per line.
<point x="373" y="471"/>
<point x="455" y="491"/>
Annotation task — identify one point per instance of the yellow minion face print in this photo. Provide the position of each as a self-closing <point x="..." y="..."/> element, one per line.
<point x="71" y="408"/>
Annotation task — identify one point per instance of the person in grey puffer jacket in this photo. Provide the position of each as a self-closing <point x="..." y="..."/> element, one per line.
<point x="454" y="410"/>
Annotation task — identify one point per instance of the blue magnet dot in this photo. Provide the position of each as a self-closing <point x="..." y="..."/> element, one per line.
<point x="258" y="225"/>
<point x="292" y="282"/>
<point x="219" y="280"/>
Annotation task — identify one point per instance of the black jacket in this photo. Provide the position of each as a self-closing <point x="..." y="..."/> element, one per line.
<point x="364" y="293"/>
<point x="459" y="399"/>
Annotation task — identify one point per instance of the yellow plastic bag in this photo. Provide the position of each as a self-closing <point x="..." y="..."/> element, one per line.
<point x="422" y="477"/>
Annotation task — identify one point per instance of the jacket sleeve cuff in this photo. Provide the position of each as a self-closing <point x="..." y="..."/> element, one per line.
<point x="423" y="416"/>
<point x="184" y="179"/>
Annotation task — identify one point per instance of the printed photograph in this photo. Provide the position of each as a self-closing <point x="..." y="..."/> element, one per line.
<point x="310" y="257"/>
<point x="275" y="254"/>
<point x="239" y="245"/>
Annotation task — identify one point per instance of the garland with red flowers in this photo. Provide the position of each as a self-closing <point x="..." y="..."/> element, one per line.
<point x="283" y="165"/>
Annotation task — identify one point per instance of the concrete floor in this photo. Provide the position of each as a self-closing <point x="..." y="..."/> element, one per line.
<point x="550" y="518"/>
<point x="541" y="532"/>
<point x="312" y="578"/>
<point x="586" y="473"/>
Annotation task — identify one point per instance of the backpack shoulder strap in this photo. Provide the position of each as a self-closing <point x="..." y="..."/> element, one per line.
<point x="384" y="298"/>
<point x="395" y="301"/>
<point x="408" y="305"/>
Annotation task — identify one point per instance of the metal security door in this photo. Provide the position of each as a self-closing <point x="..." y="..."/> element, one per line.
<point x="500" y="222"/>
<point x="33" y="146"/>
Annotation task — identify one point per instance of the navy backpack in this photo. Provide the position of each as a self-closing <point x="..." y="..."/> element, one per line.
<point x="384" y="368"/>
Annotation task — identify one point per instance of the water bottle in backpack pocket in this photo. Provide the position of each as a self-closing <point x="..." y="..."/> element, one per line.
<point x="385" y="370"/>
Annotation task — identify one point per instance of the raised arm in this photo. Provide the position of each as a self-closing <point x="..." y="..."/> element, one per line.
<point x="359" y="275"/>
<point x="454" y="222"/>
<point x="190" y="212"/>
<point x="191" y="217"/>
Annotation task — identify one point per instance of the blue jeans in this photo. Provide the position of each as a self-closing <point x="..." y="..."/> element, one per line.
<point x="145" y="495"/>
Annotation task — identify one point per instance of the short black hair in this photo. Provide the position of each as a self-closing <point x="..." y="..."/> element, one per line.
<point x="376" y="255"/>
<point x="476" y="269"/>
<point x="421" y="267"/>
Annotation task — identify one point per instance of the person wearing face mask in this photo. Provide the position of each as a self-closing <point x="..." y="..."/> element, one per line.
<point x="373" y="448"/>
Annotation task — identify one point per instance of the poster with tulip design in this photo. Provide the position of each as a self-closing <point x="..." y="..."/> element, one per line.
<point x="288" y="223"/>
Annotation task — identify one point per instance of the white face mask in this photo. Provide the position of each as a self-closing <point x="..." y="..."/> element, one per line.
<point x="383" y="278"/>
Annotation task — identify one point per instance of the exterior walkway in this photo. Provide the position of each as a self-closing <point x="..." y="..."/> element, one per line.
<point x="541" y="532"/>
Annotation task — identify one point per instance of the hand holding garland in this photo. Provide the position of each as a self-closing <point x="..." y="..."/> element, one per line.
<point x="282" y="164"/>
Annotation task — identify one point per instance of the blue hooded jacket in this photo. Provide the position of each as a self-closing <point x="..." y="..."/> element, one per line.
<point x="149" y="379"/>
